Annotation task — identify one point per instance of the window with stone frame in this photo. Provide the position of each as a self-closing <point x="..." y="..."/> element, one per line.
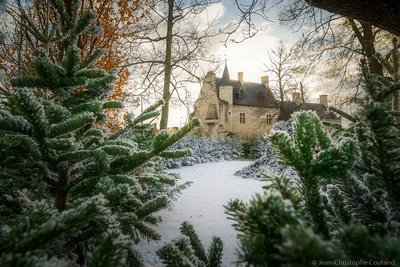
<point x="242" y="117"/>
<point x="269" y="119"/>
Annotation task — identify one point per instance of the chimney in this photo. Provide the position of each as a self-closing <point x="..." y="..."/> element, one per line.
<point x="265" y="80"/>
<point x="296" y="97"/>
<point x="240" y="77"/>
<point x="323" y="99"/>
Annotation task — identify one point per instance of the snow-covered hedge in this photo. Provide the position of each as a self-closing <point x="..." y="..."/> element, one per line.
<point x="205" y="149"/>
<point x="266" y="159"/>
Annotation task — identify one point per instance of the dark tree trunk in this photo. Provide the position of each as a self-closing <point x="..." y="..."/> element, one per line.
<point x="366" y="38"/>
<point x="395" y="59"/>
<point x="374" y="64"/>
<point x="62" y="187"/>
<point x="168" y="67"/>
<point x="384" y="14"/>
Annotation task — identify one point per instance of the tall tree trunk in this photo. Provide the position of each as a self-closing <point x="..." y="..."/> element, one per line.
<point x="367" y="42"/>
<point x="374" y="64"/>
<point x="168" y="67"/>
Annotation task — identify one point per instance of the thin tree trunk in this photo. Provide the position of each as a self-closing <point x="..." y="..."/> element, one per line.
<point x="280" y="84"/>
<point x="395" y="59"/>
<point x="20" y="43"/>
<point x="19" y="55"/>
<point x="168" y="67"/>
<point x="303" y="99"/>
<point x="62" y="187"/>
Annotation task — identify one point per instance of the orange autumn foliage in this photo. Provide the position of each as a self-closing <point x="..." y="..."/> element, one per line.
<point x="117" y="19"/>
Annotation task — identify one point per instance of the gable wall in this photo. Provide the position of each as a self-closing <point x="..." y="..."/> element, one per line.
<point x="208" y="96"/>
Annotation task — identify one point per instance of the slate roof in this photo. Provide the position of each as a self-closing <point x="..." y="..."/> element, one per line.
<point x="258" y="95"/>
<point x="248" y="93"/>
<point x="288" y="108"/>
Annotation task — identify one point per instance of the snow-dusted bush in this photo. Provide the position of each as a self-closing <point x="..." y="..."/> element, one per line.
<point x="265" y="159"/>
<point x="250" y="148"/>
<point x="205" y="149"/>
<point x="285" y="126"/>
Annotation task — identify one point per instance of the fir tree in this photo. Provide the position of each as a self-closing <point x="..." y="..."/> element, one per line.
<point x="188" y="250"/>
<point x="72" y="193"/>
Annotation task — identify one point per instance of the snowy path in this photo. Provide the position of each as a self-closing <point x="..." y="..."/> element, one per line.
<point x="202" y="205"/>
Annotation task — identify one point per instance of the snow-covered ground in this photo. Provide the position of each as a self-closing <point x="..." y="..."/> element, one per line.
<point x="202" y="205"/>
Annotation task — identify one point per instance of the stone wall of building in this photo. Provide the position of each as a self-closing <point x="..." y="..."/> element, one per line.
<point x="257" y="121"/>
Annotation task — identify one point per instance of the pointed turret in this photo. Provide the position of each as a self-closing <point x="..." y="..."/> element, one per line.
<point x="225" y="80"/>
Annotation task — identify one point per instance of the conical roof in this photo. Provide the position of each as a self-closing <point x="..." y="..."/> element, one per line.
<point x="225" y="80"/>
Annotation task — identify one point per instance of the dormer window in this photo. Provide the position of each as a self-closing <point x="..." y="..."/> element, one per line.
<point x="241" y="94"/>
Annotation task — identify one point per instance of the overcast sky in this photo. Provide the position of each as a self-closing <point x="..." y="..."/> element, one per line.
<point x="250" y="56"/>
